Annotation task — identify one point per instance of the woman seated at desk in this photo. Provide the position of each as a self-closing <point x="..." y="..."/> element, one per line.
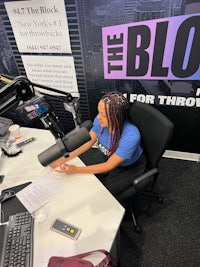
<point x="119" y="156"/>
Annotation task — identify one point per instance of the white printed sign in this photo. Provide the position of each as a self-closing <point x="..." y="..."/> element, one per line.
<point x="54" y="71"/>
<point x="39" y="26"/>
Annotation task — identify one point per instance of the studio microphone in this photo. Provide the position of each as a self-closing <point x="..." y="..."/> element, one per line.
<point x="68" y="143"/>
<point x="87" y="124"/>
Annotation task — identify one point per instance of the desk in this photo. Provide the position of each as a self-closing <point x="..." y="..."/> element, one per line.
<point x="85" y="202"/>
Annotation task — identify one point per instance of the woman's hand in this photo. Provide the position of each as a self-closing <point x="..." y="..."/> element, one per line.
<point x="66" y="168"/>
<point x="58" y="163"/>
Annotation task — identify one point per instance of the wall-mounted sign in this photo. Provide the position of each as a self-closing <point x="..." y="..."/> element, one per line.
<point x="156" y="49"/>
<point x="53" y="71"/>
<point x="39" y="26"/>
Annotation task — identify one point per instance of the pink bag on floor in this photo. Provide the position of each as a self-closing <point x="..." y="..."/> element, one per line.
<point x="79" y="261"/>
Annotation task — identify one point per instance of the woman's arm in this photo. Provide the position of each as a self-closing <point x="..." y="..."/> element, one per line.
<point x="107" y="166"/>
<point x="80" y="150"/>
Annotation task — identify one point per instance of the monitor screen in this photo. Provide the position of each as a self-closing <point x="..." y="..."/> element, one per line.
<point x="33" y="109"/>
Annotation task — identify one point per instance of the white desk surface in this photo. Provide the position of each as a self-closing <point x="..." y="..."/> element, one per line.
<point x="85" y="202"/>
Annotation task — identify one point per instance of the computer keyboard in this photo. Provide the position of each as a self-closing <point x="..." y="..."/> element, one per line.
<point x="18" y="242"/>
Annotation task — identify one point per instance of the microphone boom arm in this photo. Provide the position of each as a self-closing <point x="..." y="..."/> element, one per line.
<point x="21" y="89"/>
<point x="24" y="90"/>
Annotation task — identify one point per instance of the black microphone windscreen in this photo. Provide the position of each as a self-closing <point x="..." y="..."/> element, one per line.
<point x="76" y="138"/>
<point x="87" y="124"/>
<point x="69" y="142"/>
<point x="52" y="153"/>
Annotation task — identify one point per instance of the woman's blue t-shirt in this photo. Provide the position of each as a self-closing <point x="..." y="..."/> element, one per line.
<point x="129" y="144"/>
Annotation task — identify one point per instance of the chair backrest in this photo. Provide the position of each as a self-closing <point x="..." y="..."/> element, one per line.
<point x="155" y="128"/>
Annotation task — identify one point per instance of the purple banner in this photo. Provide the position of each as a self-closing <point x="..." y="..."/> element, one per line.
<point x="158" y="49"/>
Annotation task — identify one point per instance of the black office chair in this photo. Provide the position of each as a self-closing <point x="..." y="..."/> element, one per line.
<point x="156" y="131"/>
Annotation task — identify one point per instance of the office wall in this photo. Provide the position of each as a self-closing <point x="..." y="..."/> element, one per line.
<point x="86" y="18"/>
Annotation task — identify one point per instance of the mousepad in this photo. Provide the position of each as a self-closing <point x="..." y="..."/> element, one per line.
<point x="12" y="205"/>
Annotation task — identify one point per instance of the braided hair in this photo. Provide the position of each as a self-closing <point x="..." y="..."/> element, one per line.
<point x="117" y="112"/>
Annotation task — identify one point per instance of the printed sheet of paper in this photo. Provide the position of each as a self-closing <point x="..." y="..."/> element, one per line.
<point x="40" y="192"/>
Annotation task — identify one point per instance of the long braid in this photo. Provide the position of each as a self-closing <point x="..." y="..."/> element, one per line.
<point x="117" y="113"/>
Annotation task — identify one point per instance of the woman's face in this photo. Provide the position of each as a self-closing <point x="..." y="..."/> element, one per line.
<point x="102" y="114"/>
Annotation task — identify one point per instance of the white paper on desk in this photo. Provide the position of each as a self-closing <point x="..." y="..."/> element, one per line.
<point x="43" y="254"/>
<point x="40" y="192"/>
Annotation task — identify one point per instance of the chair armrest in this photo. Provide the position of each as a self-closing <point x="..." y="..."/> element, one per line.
<point x="145" y="176"/>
